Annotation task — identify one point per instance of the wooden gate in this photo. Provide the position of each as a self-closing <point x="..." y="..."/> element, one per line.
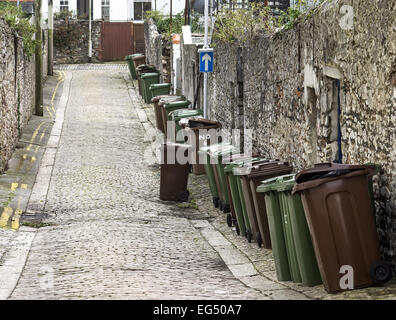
<point x="117" y="40"/>
<point x="138" y="37"/>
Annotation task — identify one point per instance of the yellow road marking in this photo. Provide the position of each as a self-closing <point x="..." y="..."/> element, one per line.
<point x="14" y="186"/>
<point x="7" y="212"/>
<point x="24" y="186"/>
<point x="15" y="219"/>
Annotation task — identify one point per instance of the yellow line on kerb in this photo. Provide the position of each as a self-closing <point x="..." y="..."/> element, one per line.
<point x="7" y="212"/>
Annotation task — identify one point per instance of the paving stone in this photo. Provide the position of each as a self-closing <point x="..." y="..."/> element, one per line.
<point x="110" y="237"/>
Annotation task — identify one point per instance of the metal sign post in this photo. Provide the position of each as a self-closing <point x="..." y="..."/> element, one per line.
<point x="205" y="87"/>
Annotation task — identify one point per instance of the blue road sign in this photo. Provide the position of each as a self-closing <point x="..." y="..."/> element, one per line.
<point x="206" y="60"/>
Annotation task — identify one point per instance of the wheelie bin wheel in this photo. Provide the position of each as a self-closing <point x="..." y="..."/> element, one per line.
<point x="229" y="220"/>
<point x="226" y="208"/>
<point x="216" y="202"/>
<point x="380" y="272"/>
<point x="237" y="229"/>
<point x="183" y="196"/>
<point x="259" y="240"/>
<point x="249" y="236"/>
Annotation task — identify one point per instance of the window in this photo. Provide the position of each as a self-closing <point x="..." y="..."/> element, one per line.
<point x="106" y="10"/>
<point x="64" y="5"/>
<point x="139" y="7"/>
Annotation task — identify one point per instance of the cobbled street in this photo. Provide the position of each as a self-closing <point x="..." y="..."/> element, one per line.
<point x="107" y="234"/>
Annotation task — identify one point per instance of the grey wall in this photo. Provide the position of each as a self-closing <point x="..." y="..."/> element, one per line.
<point x="17" y="83"/>
<point x="284" y="88"/>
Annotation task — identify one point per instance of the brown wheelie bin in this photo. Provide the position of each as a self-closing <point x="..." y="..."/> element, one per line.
<point x="339" y="214"/>
<point x="174" y="172"/>
<point x="159" y="101"/>
<point x="198" y="132"/>
<point x="139" y="60"/>
<point x="141" y="69"/>
<point x="255" y="204"/>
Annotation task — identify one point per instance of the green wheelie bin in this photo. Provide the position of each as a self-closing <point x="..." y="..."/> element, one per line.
<point x="131" y="65"/>
<point x="147" y="80"/>
<point x="235" y="201"/>
<point x="276" y="227"/>
<point x="217" y="160"/>
<point x="301" y="236"/>
<point x="169" y="107"/>
<point x="179" y="114"/>
<point x="160" y="89"/>
<point x="204" y="152"/>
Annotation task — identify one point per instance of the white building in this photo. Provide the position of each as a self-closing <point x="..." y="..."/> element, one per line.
<point x="118" y="10"/>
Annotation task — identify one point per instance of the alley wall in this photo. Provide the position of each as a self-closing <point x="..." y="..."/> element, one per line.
<point x="71" y="41"/>
<point x="17" y="91"/>
<point x="323" y="91"/>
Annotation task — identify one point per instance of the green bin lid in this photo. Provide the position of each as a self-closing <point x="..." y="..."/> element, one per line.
<point x="159" y="85"/>
<point x="149" y="75"/>
<point x="275" y="183"/>
<point x="185" y="113"/>
<point x="177" y="104"/>
<point x="227" y="150"/>
<point x="286" y="182"/>
<point x="238" y="163"/>
<point x="213" y="147"/>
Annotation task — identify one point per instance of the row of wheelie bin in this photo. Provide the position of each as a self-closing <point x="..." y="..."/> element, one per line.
<point x="318" y="222"/>
<point x="179" y="122"/>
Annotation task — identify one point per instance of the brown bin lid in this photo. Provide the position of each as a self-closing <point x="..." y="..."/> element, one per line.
<point x="269" y="168"/>
<point x="196" y="124"/>
<point x="335" y="174"/>
<point x="321" y="169"/>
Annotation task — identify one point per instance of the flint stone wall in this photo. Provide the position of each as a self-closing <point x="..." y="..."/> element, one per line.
<point x="336" y="69"/>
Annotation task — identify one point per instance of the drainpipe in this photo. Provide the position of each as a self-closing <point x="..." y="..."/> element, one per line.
<point x="90" y="31"/>
<point x="50" y="38"/>
<point x="38" y="61"/>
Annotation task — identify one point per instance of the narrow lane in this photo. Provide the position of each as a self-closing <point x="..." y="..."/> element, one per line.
<point x="109" y="236"/>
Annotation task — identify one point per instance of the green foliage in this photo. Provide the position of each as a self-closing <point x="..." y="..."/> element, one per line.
<point x="65" y="15"/>
<point x="245" y="24"/>
<point x="242" y="24"/>
<point x="163" y="23"/>
<point x="18" y="21"/>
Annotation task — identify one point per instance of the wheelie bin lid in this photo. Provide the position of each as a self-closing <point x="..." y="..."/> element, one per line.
<point x="162" y="99"/>
<point x="184" y="113"/>
<point x="150" y="75"/>
<point x="196" y="124"/>
<point x="137" y="56"/>
<point x="272" y="184"/>
<point x="229" y="168"/>
<point x="286" y="183"/>
<point x="213" y="147"/>
<point x="159" y="85"/>
<point x="326" y="172"/>
<point x="271" y="167"/>
<point x="177" y="104"/>
<point x="227" y="150"/>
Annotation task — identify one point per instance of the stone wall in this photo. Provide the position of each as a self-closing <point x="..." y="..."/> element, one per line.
<point x="71" y="41"/>
<point x="334" y="70"/>
<point x="153" y="45"/>
<point x="17" y="91"/>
